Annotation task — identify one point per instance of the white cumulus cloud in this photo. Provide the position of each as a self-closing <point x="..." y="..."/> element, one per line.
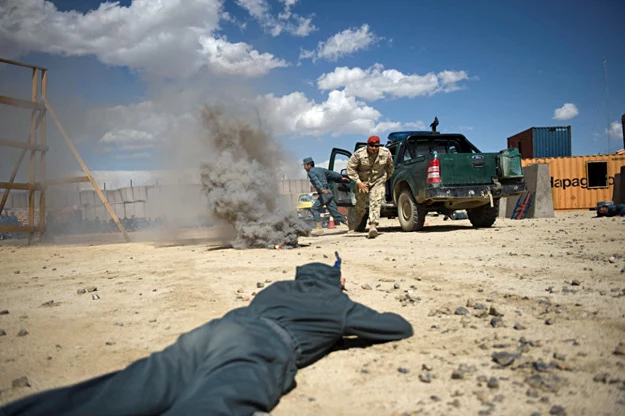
<point x="284" y="21"/>
<point x="616" y="131"/>
<point x="566" y="112"/>
<point x="376" y="82"/>
<point x="294" y="114"/>
<point x="172" y="38"/>
<point x="342" y="44"/>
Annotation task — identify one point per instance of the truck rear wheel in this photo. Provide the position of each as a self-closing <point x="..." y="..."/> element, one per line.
<point x="411" y="215"/>
<point x="483" y="216"/>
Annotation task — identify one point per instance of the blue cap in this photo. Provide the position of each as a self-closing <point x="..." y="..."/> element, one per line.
<point x="308" y="161"/>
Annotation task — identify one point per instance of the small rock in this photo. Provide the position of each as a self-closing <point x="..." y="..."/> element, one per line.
<point x="493" y="383"/>
<point x="612" y="259"/>
<point x="22" y="333"/>
<point x="457" y="375"/>
<point x="575" y="282"/>
<point x="620" y="349"/>
<point x="260" y="285"/>
<point x="541" y="366"/>
<point x="21" y="382"/>
<point x="557" y="410"/>
<point x="496" y="322"/>
<point x="504" y="358"/>
<point x="4" y="312"/>
<point x="495" y="311"/>
<point x="267" y="280"/>
<point x="461" y="310"/>
<point x="48" y="303"/>
<point x="81" y="291"/>
<point x="403" y="370"/>
<point x="426" y="367"/>
<point x="396" y="286"/>
<point x="518" y="326"/>
<point x="425" y="377"/>
<point x="455" y="403"/>
<point x="601" y="378"/>
<point x="92" y="289"/>
<point x="559" y="356"/>
<point x="435" y="398"/>
<point x="531" y="393"/>
<point x="109" y="343"/>
<point x="2" y="332"/>
<point x="95" y="297"/>
<point x="479" y="306"/>
<point x="245" y="298"/>
<point x="364" y="371"/>
<point x="366" y="287"/>
<point x="549" y="321"/>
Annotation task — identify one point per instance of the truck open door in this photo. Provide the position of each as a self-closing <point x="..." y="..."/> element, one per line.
<point x="343" y="192"/>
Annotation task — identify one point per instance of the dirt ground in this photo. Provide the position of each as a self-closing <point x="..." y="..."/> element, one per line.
<point x="559" y="283"/>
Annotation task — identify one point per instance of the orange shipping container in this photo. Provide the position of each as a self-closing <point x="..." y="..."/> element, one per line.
<point x="579" y="182"/>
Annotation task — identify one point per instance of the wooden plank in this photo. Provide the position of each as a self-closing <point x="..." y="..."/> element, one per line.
<point x="18" y="229"/>
<point x="22" y="145"/>
<point x="16" y="102"/>
<point x="21" y="186"/>
<point x="33" y="155"/>
<point x="17" y="166"/>
<point x="84" y="168"/>
<point x="61" y="181"/>
<point x="8" y="61"/>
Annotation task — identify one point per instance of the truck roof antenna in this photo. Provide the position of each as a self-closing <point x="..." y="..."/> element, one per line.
<point x="434" y="124"/>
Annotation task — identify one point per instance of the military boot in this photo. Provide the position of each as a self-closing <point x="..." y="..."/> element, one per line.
<point x="318" y="230"/>
<point x="373" y="231"/>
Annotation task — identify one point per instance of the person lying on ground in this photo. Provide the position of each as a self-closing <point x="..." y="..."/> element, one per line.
<point x="238" y="364"/>
<point x="611" y="210"/>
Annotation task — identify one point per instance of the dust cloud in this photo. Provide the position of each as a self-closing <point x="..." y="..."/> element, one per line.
<point x="241" y="182"/>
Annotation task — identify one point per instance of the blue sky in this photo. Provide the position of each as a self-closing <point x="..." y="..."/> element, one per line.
<point x="127" y="78"/>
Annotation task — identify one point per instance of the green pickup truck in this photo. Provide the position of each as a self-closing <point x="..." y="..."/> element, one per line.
<point x="442" y="173"/>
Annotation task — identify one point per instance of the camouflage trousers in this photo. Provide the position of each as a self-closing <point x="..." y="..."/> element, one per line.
<point x="376" y="198"/>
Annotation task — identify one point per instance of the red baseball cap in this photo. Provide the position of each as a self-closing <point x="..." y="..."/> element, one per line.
<point x="373" y="139"/>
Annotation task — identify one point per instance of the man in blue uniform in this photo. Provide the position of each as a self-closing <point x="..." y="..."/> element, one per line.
<point x="235" y="365"/>
<point x="321" y="179"/>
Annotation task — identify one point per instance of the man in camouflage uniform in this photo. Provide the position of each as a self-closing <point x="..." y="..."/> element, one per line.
<point x="370" y="167"/>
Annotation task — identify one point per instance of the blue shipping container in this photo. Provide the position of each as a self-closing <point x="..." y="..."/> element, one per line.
<point x="551" y="141"/>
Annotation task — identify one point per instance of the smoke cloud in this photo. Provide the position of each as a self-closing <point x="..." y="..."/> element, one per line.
<point x="241" y="182"/>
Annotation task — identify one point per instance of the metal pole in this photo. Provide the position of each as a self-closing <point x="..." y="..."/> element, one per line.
<point x="607" y="98"/>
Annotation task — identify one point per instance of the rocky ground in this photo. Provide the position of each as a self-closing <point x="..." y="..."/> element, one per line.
<point x="523" y="318"/>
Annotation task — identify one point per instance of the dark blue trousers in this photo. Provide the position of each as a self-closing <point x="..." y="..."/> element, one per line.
<point x="235" y="365"/>
<point x="330" y="203"/>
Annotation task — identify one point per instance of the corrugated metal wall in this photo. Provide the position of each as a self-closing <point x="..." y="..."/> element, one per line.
<point x="551" y="141"/>
<point x="569" y="180"/>
<point x="143" y="201"/>
<point x="523" y="142"/>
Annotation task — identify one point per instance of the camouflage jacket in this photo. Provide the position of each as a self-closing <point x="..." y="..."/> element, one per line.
<point x="364" y="168"/>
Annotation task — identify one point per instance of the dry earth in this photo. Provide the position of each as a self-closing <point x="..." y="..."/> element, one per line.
<point x="561" y="279"/>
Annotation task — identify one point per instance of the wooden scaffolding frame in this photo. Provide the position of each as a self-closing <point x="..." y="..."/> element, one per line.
<point x="39" y="107"/>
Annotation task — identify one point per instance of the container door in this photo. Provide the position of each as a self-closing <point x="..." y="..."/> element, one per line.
<point x="343" y="192"/>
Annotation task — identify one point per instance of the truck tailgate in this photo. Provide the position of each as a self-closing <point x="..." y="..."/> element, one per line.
<point x="467" y="168"/>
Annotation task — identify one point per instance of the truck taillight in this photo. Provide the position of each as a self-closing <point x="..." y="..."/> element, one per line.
<point x="434" y="171"/>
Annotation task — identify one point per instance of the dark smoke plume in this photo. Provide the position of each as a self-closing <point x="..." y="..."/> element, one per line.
<point x="241" y="183"/>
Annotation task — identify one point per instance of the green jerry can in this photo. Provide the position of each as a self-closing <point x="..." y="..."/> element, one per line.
<point x="510" y="164"/>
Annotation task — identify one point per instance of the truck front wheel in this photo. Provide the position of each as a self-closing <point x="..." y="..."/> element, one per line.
<point x="411" y="215"/>
<point x="483" y="216"/>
